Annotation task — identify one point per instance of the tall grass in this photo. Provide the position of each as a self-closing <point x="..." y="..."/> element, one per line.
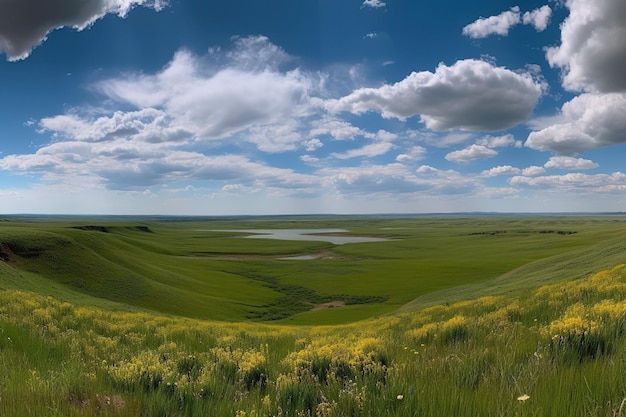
<point x="554" y="350"/>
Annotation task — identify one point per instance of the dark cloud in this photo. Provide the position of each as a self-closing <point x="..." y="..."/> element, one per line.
<point x="24" y="24"/>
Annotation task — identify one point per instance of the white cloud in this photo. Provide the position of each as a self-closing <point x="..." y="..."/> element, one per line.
<point x="470" y="95"/>
<point x="566" y="162"/>
<point x="312" y="144"/>
<point x="533" y="170"/>
<point x="338" y="129"/>
<point x="257" y="53"/>
<point x="276" y="137"/>
<point x="396" y="179"/>
<point x="146" y="125"/>
<point x="308" y="159"/>
<point x="499" y="141"/>
<point x="217" y="102"/>
<point x="586" y="122"/>
<point x="24" y="24"/>
<point x="368" y="151"/>
<point x="427" y="170"/>
<point x="501" y="170"/>
<point x="575" y="182"/>
<point x="493" y="25"/>
<point x="238" y="188"/>
<point x="415" y="153"/>
<point x="121" y="165"/>
<point x="384" y="136"/>
<point x="539" y="18"/>
<point x="592" y="53"/>
<point x="374" y="4"/>
<point x="392" y="178"/>
<point x="471" y="153"/>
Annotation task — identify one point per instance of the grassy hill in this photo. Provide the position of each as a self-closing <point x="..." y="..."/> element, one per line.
<point x="191" y="268"/>
<point x="455" y="316"/>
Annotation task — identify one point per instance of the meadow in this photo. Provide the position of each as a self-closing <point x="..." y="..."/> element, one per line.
<point x="463" y="316"/>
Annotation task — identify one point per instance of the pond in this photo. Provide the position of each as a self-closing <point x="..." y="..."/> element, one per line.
<point x="318" y="235"/>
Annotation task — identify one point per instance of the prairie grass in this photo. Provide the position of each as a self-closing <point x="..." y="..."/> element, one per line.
<point x="490" y="356"/>
<point x="498" y="317"/>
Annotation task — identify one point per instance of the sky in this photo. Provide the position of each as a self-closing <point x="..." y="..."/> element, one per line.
<point x="245" y="107"/>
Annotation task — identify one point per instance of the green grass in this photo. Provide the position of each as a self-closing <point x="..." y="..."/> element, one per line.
<point x="476" y="357"/>
<point x="187" y="267"/>
<point x="452" y="316"/>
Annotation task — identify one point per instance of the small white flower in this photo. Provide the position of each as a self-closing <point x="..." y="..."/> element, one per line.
<point x="400" y="397"/>
<point x="523" y="397"/>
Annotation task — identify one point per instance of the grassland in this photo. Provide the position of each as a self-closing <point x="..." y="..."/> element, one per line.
<point x="451" y="316"/>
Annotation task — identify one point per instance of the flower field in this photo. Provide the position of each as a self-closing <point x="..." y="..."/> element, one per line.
<point x="556" y="350"/>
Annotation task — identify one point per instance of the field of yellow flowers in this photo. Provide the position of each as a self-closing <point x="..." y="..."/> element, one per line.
<point x="558" y="350"/>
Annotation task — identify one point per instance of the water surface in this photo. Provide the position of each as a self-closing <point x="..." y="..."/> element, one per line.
<point x="317" y="235"/>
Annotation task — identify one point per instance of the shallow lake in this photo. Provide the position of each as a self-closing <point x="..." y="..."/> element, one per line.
<point x="306" y="234"/>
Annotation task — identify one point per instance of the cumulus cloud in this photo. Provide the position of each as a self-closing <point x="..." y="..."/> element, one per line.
<point x="493" y="25"/>
<point x="146" y="125"/>
<point x="122" y="165"/>
<point x="501" y="170"/>
<point x="592" y="53"/>
<point x="162" y="141"/>
<point x="499" y="141"/>
<point x="392" y="178"/>
<point x="566" y="162"/>
<point x="471" y="153"/>
<point x="312" y="144"/>
<point x="539" y="18"/>
<point x="217" y="102"/>
<point x="397" y="179"/>
<point x="336" y="128"/>
<point x="308" y="159"/>
<point x="276" y="137"/>
<point x="374" y="4"/>
<point x="470" y="95"/>
<point x="586" y="122"/>
<point x="575" y="182"/>
<point x="24" y="24"/>
<point x="533" y="170"/>
<point x="415" y="153"/>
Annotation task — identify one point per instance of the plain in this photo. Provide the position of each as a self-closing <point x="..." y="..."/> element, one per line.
<point x="453" y="315"/>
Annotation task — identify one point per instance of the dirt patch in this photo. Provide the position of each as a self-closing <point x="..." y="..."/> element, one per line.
<point x="326" y="255"/>
<point x="6" y="254"/>
<point x="331" y="304"/>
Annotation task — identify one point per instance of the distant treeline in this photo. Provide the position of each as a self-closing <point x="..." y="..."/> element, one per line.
<point x="524" y="232"/>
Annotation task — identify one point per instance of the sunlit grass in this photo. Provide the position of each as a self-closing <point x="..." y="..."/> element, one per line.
<point x="475" y="357"/>
<point x="509" y="320"/>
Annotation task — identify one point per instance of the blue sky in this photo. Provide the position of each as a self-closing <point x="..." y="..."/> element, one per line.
<point x="314" y="106"/>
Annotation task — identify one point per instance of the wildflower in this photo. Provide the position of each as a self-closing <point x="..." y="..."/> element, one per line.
<point x="523" y="398"/>
<point x="400" y="397"/>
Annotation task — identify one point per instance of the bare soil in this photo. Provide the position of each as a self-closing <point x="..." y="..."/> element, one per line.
<point x="331" y="304"/>
<point x="6" y="254"/>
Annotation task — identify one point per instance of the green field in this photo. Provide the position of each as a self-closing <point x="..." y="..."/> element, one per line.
<point x="179" y="317"/>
